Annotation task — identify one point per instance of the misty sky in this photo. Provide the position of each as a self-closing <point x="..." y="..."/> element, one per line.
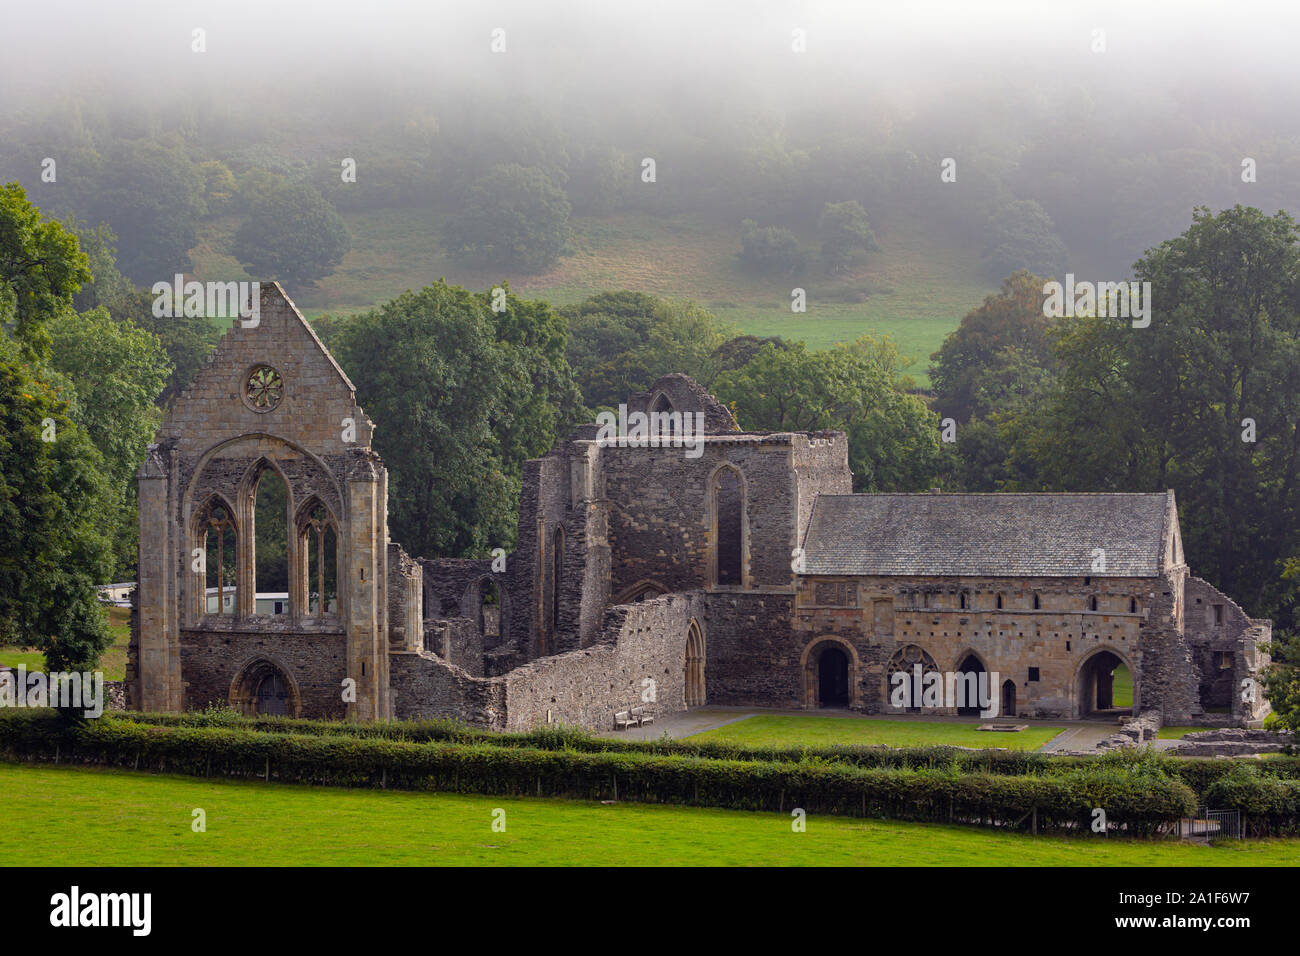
<point x="595" y="56"/>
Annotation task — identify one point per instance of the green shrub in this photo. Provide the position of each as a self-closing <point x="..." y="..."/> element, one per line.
<point x="1138" y="800"/>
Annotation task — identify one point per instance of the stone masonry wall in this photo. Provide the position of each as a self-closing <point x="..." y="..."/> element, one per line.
<point x="315" y="662"/>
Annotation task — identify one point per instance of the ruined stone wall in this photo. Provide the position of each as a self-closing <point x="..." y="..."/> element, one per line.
<point x="660" y="512"/>
<point x="425" y="687"/>
<point x="821" y="466"/>
<point x="405" y="601"/>
<point x="315" y="662"/>
<point x="641" y="643"/>
<point x="1227" y="647"/>
<point x="751" y="657"/>
<point x="584" y="687"/>
<point x="457" y="641"/>
<point x="215" y="441"/>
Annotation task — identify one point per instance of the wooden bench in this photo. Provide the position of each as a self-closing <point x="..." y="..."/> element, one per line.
<point x="623" y="720"/>
<point x="641" y="717"/>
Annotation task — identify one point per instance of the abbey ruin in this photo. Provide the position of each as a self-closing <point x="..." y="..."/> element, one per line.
<point x="743" y="571"/>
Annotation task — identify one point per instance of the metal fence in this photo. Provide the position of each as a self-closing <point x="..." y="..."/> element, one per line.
<point x="1212" y="825"/>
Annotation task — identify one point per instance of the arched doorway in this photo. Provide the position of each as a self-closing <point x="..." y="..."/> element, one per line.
<point x="832" y="678"/>
<point x="694" y="671"/>
<point x="271" y="698"/>
<point x="262" y="688"/>
<point x="1008" y="703"/>
<point x="970" y="680"/>
<point x="1096" y="685"/>
<point x="905" y="678"/>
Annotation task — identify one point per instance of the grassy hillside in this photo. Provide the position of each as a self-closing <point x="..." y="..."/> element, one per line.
<point x="112" y="663"/>
<point x="915" y="289"/>
<point x="91" y="817"/>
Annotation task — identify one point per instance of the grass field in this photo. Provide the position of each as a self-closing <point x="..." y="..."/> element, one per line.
<point x="918" y="286"/>
<point x="1177" y="733"/>
<point x="112" y="663"/>
<point x="85" y="817"/>
<point x="775" y="730"/>
<point x="1122" y="688"/>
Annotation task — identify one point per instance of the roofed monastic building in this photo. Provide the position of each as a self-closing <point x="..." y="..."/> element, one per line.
<point x="682" y="563"/>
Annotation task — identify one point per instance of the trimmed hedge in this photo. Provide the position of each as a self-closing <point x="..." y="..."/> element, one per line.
<point x="1197" y="772"/>
<point x="1137" y="801"/>
<point x="1268" y="806"/>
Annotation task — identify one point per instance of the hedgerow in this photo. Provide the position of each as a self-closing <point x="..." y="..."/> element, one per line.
<point x="1137" y="800"/>
<point x="1197" y="773"/>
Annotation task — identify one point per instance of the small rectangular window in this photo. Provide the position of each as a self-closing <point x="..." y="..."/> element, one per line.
<point x="1218" y="615"/>
<point x="1033" y="673"/>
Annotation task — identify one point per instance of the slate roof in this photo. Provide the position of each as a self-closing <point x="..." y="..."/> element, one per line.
<point x="996" y="535"/>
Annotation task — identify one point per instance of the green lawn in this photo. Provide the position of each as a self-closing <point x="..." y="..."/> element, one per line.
<point x="112" y="663"/>
<point x="87" y="817"/>
<point x="1177" y="733"/>
<point x="915" y="288"/>
<point x="777" y="730"/>
<point x="1122" y="689"/>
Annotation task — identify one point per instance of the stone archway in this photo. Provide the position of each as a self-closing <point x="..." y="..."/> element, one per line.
<point x="1095" y="685"/>
<point x="832" y="678"/>
<point x="1008" y="703"/>
<point x="830" y="668"/>
<point x="903" y="682"/>
<point x="694" y="669"/>
<point x="263" y="687"/>
<point x="972" y="678"/>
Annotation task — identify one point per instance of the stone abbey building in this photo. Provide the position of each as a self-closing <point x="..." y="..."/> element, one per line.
<point x="739" y="571"/>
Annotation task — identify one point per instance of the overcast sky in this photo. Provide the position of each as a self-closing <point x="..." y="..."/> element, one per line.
<point x="611" y="49"/>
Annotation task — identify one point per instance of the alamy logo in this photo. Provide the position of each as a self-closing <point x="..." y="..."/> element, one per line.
<point x="62" y="689"/>
<point x="74" y="909"/>
<point x="195" y="299"/>
<point x="1112" y="300"/>
<point x="952" y="689"/>
<point x="653" y="430"/>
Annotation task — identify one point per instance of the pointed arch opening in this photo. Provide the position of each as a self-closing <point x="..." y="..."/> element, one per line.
<point x="727" y="498"/>
<point x="317" y="577"/>
<point x="263" y="687"/>
<point x="557" y="575"/>
<point x="905" y="679"/>
<point x="972" y="690"/>
<point x="216" y="535"/>
<point x="268" y="548"/>
<point x="694" y="667"/>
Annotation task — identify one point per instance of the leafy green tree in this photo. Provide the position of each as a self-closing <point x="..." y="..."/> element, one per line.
<point x="973" y="371"/>
<point x="187" y="340"/>
<point x="1282" y="677"/>
<point x="1023" y="237"/>
<point x="54" y="535"/>
<point x="152" y="197"/>
<point x="477" y="393"/>
<point x="115" y="372"/>
<point x="1204" y="400"/>
<point x="620" y="342"/>
<point x="514" y="216"/>
<point x="292" y="234"/>
<point x="219" y="187"/>
<point x="41" y="269"/>
<point x="107" y="285"/>
<point x="857" y="388"/>
<point x="845" y="232"/>
<point x="770" y="249"/>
